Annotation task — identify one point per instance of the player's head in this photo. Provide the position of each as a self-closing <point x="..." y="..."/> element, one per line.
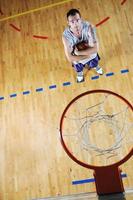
<point x="74" y="18"/>
<point x="73" y="12"/>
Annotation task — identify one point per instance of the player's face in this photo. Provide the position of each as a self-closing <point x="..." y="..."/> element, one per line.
<point x="75" y="22"/>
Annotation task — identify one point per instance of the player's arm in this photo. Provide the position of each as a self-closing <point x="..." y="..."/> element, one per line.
<point x="68" y="52"/>
<point x="87" y="52"/>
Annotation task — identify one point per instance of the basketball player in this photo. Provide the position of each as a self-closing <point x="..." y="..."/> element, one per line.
<point x="79" y="31"/>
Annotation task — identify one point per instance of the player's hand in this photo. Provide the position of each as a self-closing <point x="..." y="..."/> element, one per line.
<point x="76" y="52"/>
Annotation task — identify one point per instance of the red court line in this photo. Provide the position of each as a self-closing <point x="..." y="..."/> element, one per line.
<point x="40" y="37"/>
<point x="13" y="26"/>
<point x="123" y="2"/>
<point x="101" y="22"/>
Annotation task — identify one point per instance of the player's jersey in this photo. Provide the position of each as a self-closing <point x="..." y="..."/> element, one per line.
<point x="88" y="35"/>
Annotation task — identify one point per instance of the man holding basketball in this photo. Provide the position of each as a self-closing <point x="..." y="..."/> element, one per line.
<point x="80" y="44"/>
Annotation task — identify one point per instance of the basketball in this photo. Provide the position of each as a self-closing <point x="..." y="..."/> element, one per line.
<point x="82" y="46"/>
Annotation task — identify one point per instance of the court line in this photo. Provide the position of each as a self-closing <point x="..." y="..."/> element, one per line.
<point x="103" y="21"/>
<point x="13" y="95"/>
<point x="52" y="86"/>
<point x="92" y="180"/>
<point x="110" y="74"/>
<point x="16" y="28"/>
<point x="94" y="77"/>
<point x="123" y="2"/>
<point x="41" y="89"/>
<point x="26" y="92"/>
<point x="45" y="37"/>
<point x="124" y="70"/>
<point x="34" y="36"/>
<point x="40" y="37"/>
<point x="66" y="83"/>
<point x="1" y="98"/>
<point x="44" y="7"/>
<point x="35" y="10"/>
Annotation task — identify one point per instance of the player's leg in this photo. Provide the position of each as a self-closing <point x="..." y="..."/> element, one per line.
<point x="79" y="69"/>
<point x="94" y="63"/>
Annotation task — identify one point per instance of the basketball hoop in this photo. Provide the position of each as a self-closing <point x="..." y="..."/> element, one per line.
<point x="96" y="132"/>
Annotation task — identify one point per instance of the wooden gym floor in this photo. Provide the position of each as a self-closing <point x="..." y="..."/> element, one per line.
<point x="37" y="82"/>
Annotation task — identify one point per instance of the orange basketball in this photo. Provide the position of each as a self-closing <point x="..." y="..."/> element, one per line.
<point x="82" y="46"/>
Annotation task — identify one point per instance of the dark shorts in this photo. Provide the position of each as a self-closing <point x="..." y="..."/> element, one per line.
<point x="92" y="63"/>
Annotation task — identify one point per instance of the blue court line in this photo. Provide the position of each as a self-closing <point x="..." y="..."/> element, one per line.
<point x="124" y="71"/>
<point x="94" y="77"/>
<point x="26" y="92"/>
<point x="1" y="98"/>
<point x="110" y="74"/>
<point x="91" y="180"/>
<point x="13" y="95"/>
<point x="66" y="83"/>
<point x="39" y="89"/>
<point x="52" y="86"/>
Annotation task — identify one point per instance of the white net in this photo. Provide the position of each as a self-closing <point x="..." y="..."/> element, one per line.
<point x="98" y="129"/>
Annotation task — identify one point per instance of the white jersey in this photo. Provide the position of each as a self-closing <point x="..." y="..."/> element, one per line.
<point x="88" y="35"/>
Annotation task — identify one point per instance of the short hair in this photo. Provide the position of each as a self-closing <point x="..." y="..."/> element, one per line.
<point x="73" y="12"/>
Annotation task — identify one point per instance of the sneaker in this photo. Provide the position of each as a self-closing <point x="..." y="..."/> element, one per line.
<point x="99" y="70"/>
<point x="80" y="77"/>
